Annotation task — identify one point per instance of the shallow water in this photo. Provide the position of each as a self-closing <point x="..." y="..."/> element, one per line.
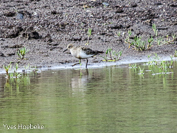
<point x="114" y="99"/>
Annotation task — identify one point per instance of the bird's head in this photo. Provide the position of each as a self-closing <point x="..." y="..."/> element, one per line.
<point x="68" y="47"/>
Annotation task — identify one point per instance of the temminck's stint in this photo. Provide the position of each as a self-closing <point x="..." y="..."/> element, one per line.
<point x="82" y="52"/>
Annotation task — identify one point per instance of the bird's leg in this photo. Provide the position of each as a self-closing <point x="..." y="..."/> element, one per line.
<point x="87" y="72"/>
<point x="74" y="64"/>
<point x="77" y="63"/>
<point x="86" y="62"/>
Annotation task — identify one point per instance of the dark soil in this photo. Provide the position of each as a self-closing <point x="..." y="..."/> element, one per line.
<point x="45" y="28"/>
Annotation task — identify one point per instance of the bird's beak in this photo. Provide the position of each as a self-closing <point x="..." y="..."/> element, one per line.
<point x="65" y="50"/>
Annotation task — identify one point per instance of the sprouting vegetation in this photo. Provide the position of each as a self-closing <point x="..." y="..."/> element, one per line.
<point x="16" y="74"/>
<point x="141" y="45"/>
<point x="155" y="66"/>
<point x="22" y="52"/>
<point x="15" y="78"/>
<point x="112" y="55"/>
<point x="141" y="71"/>
<point x="133" y="66"/>
<point x="161" y="40"/>
<point x="165" y="40"/>
<point x="154" y="60"/>
<point x="155" y="29"/>
<point x="14" y="71"/>
<point x="138" y="44"/>
<point x="16" y="82"/>
<point x="150" y="40"/>
<point x="175" y="55"/>
<point x="89" y="33"/>
<point x="118" y="34"/>
<point x="7" y="68"/>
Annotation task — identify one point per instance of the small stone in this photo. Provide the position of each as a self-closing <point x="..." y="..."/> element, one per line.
<point x="76" y="38"/>
<point x="133" y="5"/>
<point x="173" y="5"/>
<point x="10" y="54"/>
<point x="19" y="16"/>
<point x="105" y="4"/>
<point x="53" y="44"/>
<point x="31" y="35"/>
<point x="14" y="32"/>
<point x="35" y="35"/>
<point x="157" y="3"/>
<point x="162" y="28"/>
<point x="49" y="40"/>
<point x="120" y="10"/>
<point x="35" y="14"/>
<point x="16" y="46"/>
<point x="10" y="14"/>
<point x="2" y="54"/>
<point x="53" y="12"/>
<point x="115" y="26"/>
<point x="6" y="46"/>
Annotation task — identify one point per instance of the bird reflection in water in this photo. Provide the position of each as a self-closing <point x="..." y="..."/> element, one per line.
<point x="79" y="82"/>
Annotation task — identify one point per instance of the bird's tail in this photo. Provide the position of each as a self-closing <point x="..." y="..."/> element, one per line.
<point x="98" y="52"/>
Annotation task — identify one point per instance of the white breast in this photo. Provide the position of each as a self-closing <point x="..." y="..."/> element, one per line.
<point x="83" y="55"/>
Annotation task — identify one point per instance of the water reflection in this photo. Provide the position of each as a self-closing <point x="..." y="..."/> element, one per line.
<point x="2" y="82"/>
<point x="80" y="80"/>
<point x="111" y="99"/>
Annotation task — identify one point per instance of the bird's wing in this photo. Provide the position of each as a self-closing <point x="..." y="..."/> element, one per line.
<point x="88" y="51"/>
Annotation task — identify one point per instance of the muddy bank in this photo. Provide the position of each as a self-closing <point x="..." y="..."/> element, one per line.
<point x="46" y="27"/>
